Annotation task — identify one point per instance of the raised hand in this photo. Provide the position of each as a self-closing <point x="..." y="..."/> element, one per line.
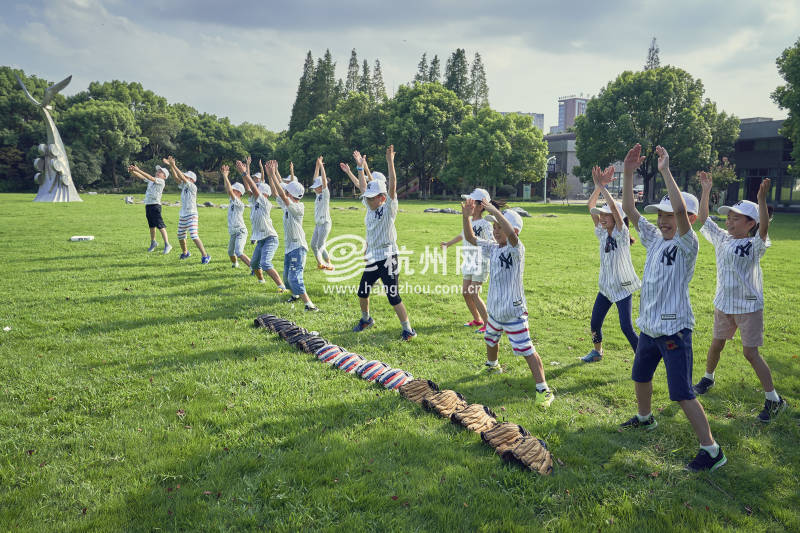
<point x="291" y="168"/>
<point x="663" y="159"/>
<point x="390" y="153"/>
<point x="606" y="176"/>
<point x="225" y="171"/>
<point x="248" y="160"/>
<point x="132" y="168"/>
<point x="240" y="166"/>
<point x="467" y="206"/>
<point x="596" y="173"/>
<point x="165" y="160"/>
<point x="345" y="167"/>
<point x="705" y="180"/>
<point x="357" y="157"/>
<point x="319" y="161"/>
<point x="634" y="158"/>
<point x="762" y="189"/>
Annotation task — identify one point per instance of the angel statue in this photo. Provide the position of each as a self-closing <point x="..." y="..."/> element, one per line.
<point x="53" y="176"/>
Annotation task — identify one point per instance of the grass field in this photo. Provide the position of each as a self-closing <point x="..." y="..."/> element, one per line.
<point x="136" y="395"/>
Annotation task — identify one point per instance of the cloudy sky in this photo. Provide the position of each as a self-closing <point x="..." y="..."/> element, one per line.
<point x="243" y="58"/>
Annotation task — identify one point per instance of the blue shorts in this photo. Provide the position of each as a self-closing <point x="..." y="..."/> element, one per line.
<point x="676" y="350"/>
<point x="263" y="253"/>
<point x="236" y="243"/>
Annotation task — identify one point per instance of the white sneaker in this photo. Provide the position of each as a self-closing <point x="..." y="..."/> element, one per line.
<point x="167" y="248"/>
<point x="235" y="265"/>
<point x="262" y="281"/>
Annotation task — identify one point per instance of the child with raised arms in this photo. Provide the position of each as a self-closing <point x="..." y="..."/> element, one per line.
<point x="152" y="203"/>
<point x="187" y="218"/>
<point x="322" y="216"/>
<point x="236" y="228"/>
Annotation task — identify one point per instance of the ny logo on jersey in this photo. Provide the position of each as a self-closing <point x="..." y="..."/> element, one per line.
<point x="611" y="244"/>
<point x="478" y="230"/>
<point x="255" y="206"/>
<point x="379" y="212"/>
<point x="668" y="255"/>
<point x="506" y="261"/>
<point x="743" y="250"/>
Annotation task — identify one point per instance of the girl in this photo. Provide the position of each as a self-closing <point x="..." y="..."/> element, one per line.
<point x="739" y="301"/>
<point x="187" y="218"/>
<point x="475" y="267"/>
<point x="322" y="217"/>
<point x="618" y="279"/>
<point x="236" y="228"/>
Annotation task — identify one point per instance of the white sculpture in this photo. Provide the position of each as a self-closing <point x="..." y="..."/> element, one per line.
<point x="53" y="175"/>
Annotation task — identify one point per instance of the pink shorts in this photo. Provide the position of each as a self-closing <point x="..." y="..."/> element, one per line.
<point x="750" y="325"/>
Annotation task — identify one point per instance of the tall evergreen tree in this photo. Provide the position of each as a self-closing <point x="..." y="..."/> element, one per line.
<point x="365" y="85"/>
<point x="378" y="88"/>
<point x="422" y="75"/>
<point x="435" y="74"/>
<point x="301" y="110"/>
<point x="652" y="56"/>
<point x="479" y="91"/>
<point x="351" y="84"/>
<point x="456" y="74"/>
<point x="323" y="86"/>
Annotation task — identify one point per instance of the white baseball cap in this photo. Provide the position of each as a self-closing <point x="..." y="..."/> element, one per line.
<point x="477" y="195"/>
<point x="191" y="175"/>
<point x="374" y="188"/>
<point x="164" y="170"/>
<point x="288" y="178"/>
<point x="238" y="187"/>
<point x="378" y="176"/>
<point x="513" y="218"/>
<point x="606" y="210"/>
<point x="692" y="205"/>
<point x="743" y="207"/>
<point x="317" y="182"/>
<point x="257" y="175"/>
<point x="263" y="188"/>
<point x="294" y="188"/>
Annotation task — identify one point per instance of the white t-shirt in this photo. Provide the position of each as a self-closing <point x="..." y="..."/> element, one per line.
<point x="322" y="213"/>
<point x="618" y="279"/>
<point x="381" y="233"/>
<point x="474" y="261"/>
<point x="739" y="280"/>
<point x="293" y="235"/>
<point x="506" y="300"/>
<point x="236" y="217"/>
<point x="664" y="306"/>
<point x="188" y="199"/>
<point x="260" y="219"/>
<point x="154" y="190"/>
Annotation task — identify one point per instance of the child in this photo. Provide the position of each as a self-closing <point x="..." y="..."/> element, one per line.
<point x="506" y="305"/>
<point x="236" y="228"/>
<point x="382" y="249"/>
<point x="187" y="218"/>
<point x="294" y="238"/>
<point x="618" y="279"/>
<point x="152" y="203"/>
<point x="665" y="313"/>
<point x="739" y="302"/>
<point x="475" y="267"/>
<point x="322" y="217"/>
<point x="264" y="234"/>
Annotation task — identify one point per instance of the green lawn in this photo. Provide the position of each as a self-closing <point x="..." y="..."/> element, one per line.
<point x="136" y="395"/>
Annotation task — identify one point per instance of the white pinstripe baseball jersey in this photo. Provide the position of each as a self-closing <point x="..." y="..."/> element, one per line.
<point x="293" y="235"/>
<point x="236" y="216"/>
<point x="506" y="300"/>
<point x="188" y="199"/>
<point x="322" y="210"/>
<point x="739" y="279"/>
<point x="618" y="278"/>
<point x="664" y="306"/>
<point x="381" y="233"/>
<point x="154" y="190"/>
<point x="260" y="219"/>
<point x="474" y="261"/>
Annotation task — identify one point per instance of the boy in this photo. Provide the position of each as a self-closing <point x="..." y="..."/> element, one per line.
<point x="665" y="313"/>
<point x="381" y="254"/>
<point x="152" y="203"/>
<point x="187" y="218"/>
<point x="294" y="238"/>
<point x="236" y="228"/>
<point x="322" y="217"/>
<point x="506" y="306"/>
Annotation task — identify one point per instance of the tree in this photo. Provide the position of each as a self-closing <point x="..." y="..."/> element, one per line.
<point x="301" y="109"/>
<point x="419" y="120"/>
<point x="660" y="106"/>
<point x="378" y="88"/>
<point x="787" y="97"/>
<point x="561" y="188"/>
<point x="652" y="56"/>
<point x="478" y="90"/>
<point x="456" y="74"/>
<point x="353" y="79"/>
<point x="724" y="130"/>
<point x="434" y="74"/>
<point x="493" y="150"/>
<point x="323" y="86"/>
<point x="422" y="75"/>
<point x="160" y="128"/>
<point x="365" y="85"/>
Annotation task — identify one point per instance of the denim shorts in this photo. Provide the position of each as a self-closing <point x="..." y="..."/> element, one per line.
<point x="676" y="350"/>
<point x="263" y="253"/>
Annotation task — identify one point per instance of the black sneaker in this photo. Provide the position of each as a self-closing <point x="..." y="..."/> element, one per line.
<point x="312" y="308"/>
<point x="703" y="385"/>
<point x="292" y="299"/>
<point x="771" y="409"/>
<point x="649" y="424"/>
<point x="704" y="461"/>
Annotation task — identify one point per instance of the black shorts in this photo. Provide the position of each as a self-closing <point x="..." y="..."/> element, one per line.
<point x="153" y="212"/>
<point x="389" y="273"/>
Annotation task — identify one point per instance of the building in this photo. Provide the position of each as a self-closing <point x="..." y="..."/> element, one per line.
<point x="562" y="147"/>
<point x="569" y="108"/>
<point x="538" y="118"/>
<point x="761" y="152"/>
